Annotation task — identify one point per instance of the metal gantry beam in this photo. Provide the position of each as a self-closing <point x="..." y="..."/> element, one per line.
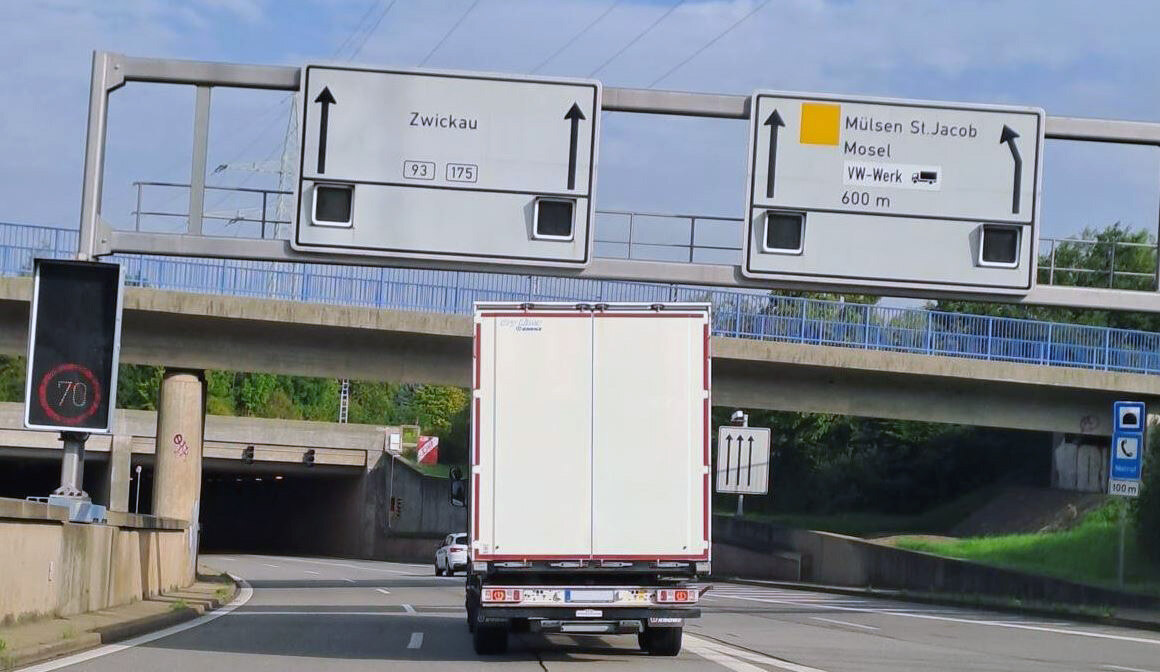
<point x="110" y="71"/>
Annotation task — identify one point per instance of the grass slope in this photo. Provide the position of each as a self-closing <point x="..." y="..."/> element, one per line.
<point x="1087" y="553"/>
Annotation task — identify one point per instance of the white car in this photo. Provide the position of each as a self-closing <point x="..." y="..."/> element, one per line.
<point x="452" y="555"/>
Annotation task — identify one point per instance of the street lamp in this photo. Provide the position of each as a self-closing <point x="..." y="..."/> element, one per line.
<point x="137" y="504"/>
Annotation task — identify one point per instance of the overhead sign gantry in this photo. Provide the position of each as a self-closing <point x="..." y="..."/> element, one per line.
<point x="893" y="193"/>
<point x="447" y="166"/>
<point x="929" y="214"/>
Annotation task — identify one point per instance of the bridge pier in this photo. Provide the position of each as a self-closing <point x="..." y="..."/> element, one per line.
<point x="178" y="454"/>
<point x="119" y="472"/>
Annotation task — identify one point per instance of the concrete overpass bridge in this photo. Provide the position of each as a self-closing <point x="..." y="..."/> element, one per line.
<point x="206" y="331"/>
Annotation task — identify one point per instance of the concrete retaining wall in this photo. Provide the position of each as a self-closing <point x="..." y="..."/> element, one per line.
<point x="52" y="567"/>
<point x="834" y="559"/>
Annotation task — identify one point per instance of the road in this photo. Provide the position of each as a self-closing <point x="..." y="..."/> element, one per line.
<point x="316" y="613"/>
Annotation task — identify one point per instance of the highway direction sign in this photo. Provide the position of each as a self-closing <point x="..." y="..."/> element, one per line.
<point x="73" y="345"/>
<point x="891" y="193"/>
<point x="1129" y="420"/>
<point x="447" y="166"/>
<point x="743" y="460"/>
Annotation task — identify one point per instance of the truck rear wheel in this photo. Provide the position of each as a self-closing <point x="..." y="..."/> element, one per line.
<point x="490" y="639"/>
<point x="661" y="641"/>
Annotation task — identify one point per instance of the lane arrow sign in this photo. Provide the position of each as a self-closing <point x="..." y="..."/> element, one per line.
<point x="774" y="122"/>
<point x="728" y="456"/>
<point x="575" y="115"/>
<point x="1008" y="136"/>
<point x="749" y="465"/>
<point x="326" y="99"/>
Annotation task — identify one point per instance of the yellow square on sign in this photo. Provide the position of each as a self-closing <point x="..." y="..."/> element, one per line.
<point x="821" y="123"/>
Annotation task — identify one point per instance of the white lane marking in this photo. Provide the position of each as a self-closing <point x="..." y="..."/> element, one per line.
<point x="416" y="640"/>
<point x="426" y="614"/>
<point x="243" y="596"/>
<point x="1123" y="669"/>
<point x="714" y="656"/>
<point x="384" y="591"/>
<point x="307" y="571"/>
<point x="269" y="565"/>
<point x="408" y="608"/>
<point x="837" y="622"/>
<point x="970" y="621"/>
<point x="734" y="658"/>
<point x="348" y="580"/>
<point x="343" y="564"/>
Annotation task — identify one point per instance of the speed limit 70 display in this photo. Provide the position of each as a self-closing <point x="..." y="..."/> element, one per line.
<point x="74" y="338"/>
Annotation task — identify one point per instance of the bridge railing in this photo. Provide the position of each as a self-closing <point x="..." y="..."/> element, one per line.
<point x="737" y="313"/>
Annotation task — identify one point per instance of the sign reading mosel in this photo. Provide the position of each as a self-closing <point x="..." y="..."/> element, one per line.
<point x="447" y="166"/>
<point x="891" y="193"/>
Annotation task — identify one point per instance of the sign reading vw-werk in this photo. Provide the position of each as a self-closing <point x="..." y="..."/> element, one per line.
<point x="1129" y="422"/>
<point x="447" y="166"/>
<point x="893" y="193"/>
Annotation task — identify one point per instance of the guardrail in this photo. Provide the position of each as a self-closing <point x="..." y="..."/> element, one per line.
<point x="737" y="313"/>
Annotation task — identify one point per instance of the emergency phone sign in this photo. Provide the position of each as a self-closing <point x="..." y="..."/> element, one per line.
<point x="74" y="339"/>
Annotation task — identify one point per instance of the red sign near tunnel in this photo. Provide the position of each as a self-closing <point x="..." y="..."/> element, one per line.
<point x="428" y="449"/>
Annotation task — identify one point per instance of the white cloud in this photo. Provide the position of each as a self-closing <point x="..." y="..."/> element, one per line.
<point x="1064" y="55"/>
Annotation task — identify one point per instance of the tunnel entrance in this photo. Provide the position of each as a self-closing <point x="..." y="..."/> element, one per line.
<point x="281" y="509"/>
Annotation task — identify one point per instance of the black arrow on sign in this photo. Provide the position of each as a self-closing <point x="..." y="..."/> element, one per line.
<point x="575" y="115"/>
<point x="749" y="467"/>
<point x="1008" y="137"/>
<point x="728" y="455"/>
<point x="774" y="121"/>
<point x="326" y="98"/>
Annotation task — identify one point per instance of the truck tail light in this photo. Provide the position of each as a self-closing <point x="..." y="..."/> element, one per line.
<point x="501" y="594"/>
<point x="676" y="596"/>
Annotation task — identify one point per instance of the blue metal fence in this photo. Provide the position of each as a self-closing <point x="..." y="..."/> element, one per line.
<point x="742" y="314"/>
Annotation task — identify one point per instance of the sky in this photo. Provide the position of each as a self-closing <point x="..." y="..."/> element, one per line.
<point x="1072" y="58"/>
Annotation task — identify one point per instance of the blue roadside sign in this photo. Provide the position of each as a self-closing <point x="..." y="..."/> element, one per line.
<point x="1129" y="420"/>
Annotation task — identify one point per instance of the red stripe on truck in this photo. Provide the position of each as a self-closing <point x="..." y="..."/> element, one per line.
<point x="590" y="558"/>
<point x="587" y="315"/>
<point x="475" y="432"/>
<point x="708" y="356"/>
<point x="477" y="334"/>
<point x="475" y="508"/>
<point x="705" y="516"/>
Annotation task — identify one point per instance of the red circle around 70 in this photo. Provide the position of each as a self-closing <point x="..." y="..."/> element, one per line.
<point x="93" y="399"/>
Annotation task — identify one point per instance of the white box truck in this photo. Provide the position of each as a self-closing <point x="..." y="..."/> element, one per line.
<point x="588" y="493"/>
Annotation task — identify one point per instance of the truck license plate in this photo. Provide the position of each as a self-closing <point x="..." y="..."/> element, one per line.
<point x="589" y="613"/>
<point x="589" y="595"/>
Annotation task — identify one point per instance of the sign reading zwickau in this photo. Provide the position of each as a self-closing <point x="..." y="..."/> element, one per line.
<point x="447" y="166"/>
<point x="888" y="193"/>
<point x="743" y="460"/>
<point x="1129" y="421"/>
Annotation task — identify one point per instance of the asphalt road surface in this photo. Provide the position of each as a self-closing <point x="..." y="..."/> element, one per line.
<point x="325" y="614"/>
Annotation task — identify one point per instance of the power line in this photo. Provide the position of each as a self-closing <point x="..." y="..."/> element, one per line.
<point x="448" y="34"/>
<point x="577" y="35"/>
<point x="708" y="44"/>
<point x="372" y="30"/>
<point x="636" y="39"/>
<point x="350" y="38"/>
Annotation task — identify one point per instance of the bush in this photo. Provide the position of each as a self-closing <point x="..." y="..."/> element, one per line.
<point x="1147" y="506"/>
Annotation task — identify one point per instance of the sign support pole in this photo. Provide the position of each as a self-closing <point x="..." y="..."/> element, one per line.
<point x="741" y="498"/>
<point x="72" y="466"/>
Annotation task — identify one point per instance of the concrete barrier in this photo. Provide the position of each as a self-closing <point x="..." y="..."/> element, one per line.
<point x="50" y="567"/>
<point x="838" y="560"/>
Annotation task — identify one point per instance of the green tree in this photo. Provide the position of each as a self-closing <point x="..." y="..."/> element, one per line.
<point x="254" y="391"/>
<point x="1146" y="508"/>
<point x="12" y="378"/>
<point x="138" y="386"/>
<point x="220" y="393"/>
<point x="1134" y="260"/>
